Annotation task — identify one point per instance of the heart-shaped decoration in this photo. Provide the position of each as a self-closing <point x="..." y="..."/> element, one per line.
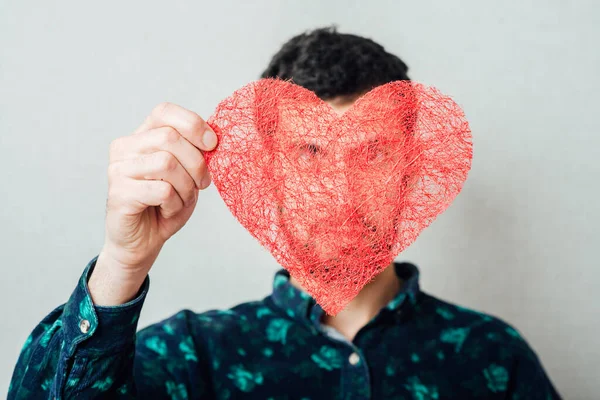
<point x="336" y="198"/>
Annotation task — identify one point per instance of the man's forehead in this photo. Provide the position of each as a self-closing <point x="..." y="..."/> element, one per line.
<point x="305" y="123"/>
<point x="341" y="104"/>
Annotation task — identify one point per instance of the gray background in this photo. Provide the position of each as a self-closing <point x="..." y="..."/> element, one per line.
<point x="519" y="242"/>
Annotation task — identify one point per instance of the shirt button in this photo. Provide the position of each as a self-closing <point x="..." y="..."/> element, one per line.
<point x="84" y="326"/>
<point x="354" y="359"/>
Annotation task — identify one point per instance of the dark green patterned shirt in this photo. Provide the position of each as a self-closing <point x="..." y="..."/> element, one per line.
<point x="418" y="347"/>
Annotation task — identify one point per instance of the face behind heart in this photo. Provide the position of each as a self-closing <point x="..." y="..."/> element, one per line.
<point x="336" y="198"/>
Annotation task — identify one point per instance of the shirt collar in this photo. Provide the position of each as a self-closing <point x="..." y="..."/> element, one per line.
<point x="301" y="306"/>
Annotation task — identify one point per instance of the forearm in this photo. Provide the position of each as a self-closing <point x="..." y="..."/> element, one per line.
<point x="109" y="285"/>
<point x="79" y="350"/>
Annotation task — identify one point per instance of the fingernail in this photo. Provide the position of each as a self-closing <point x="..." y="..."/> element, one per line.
<point x="209" y="138"/>
<point x="205" y="181"/>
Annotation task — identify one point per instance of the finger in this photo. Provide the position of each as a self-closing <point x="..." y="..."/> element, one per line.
<point x="161" y="166"/>
<point x="167" y="139"/>
<point x="186" y="122"/>
<point x="133" y="196"/>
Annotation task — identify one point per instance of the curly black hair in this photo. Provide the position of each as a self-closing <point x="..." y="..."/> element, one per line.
<point x="333" y="64"/>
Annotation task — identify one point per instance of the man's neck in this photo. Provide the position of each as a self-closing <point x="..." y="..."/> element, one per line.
<point x="369" y="301"/>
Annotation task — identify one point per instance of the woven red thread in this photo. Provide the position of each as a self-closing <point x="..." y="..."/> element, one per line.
<point x="336" y="198"/>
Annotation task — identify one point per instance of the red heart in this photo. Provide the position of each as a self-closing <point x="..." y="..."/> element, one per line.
<point x="336" y="198"/>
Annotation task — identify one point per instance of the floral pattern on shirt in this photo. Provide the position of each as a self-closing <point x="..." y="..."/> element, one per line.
<point x="418" y="347"/>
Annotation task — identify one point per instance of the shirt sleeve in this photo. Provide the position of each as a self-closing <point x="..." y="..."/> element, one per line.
<point x="528" y="379"/>
<point x="85" y="351"/>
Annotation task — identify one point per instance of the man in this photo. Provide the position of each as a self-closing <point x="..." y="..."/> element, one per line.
<point x="392" y="341"/>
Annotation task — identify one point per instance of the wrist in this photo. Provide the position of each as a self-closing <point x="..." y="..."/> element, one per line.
<point x="111" y="285"/>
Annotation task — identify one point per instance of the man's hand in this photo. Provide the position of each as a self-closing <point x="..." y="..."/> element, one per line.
<point x="154" y="176"/>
